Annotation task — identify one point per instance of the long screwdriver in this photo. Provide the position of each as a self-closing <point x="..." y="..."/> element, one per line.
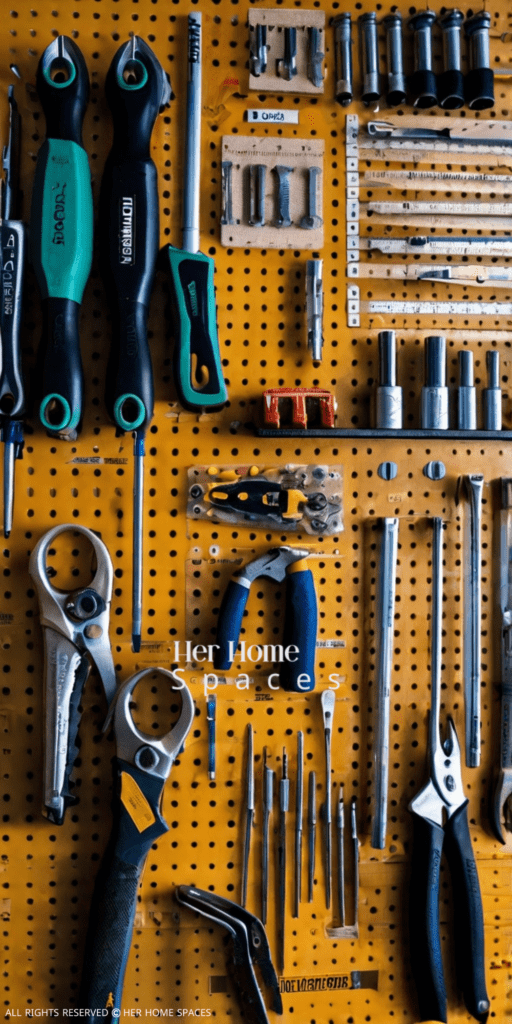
<point x="197" y="366"/>
<point x="12" y="264"/>
<point x="137" y="88"/>
<point x="61" y="233"/>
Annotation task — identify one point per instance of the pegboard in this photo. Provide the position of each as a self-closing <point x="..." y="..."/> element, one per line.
<point x="178" y="961"/>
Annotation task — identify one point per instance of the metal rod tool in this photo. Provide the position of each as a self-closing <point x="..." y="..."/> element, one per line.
<point x="340" y="831"/>
<point x="284" y="798"/>
<point x="342" y="25"/>
<point x="257" y="185"/>
<point x="283" y="219"/>
<point x="315" y="57"/>
<point x="267" y="800"/>
<point x="249" y="813"/>
<point x="312" y="219"/>
<point x="299" y="810"/>
<point x="311" y="833"/>
<point x="286" y="66"/>
<point x="259" y="50"/>
<point x="470" y="488"/>
<point x="386" y="586"/>
<point x="327" y="700"/>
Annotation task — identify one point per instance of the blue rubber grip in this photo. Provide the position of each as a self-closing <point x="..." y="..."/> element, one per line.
<point x="229" y="623"/>
<point x="300" y="630"/>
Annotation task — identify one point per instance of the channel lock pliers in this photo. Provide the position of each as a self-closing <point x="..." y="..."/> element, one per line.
<point x="443" y="796"/>
<point x="141" y="768"/>
<point x="301" y="616"/>
<point x="75" y="632"/>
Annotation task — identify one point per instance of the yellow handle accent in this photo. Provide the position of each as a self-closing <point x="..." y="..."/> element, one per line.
<point x="300" y="565"/>
<point x="135" y="802"/>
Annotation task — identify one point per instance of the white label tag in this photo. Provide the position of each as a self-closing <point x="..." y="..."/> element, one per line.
<point x="264" y="116"/>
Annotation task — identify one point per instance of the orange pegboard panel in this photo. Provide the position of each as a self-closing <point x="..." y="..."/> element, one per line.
<point x="176" y="961"/>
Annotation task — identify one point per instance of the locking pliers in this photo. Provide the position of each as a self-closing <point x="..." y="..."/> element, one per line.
<point x="75" y="631"/>
<point x="141" y="767"/>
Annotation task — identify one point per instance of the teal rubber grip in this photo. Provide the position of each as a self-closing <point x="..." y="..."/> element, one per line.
<point x="61" y="226"/>
<point x="197" y="366"/>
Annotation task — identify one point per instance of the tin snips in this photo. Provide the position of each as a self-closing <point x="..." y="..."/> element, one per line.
<point x="75" y="630"/>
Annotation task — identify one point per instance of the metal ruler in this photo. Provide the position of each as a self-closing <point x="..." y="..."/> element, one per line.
<point x="432" y="246"/>
<point x="463" y="274"/>
<point x="454" y="129"/>
<point x="429" y="150"/>
<point x="394" y="308"/>
<point x="449" y="181"/>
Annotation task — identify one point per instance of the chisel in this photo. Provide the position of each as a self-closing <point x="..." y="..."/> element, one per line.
<point x="197" y="366"/>
<point x="137" y="88"/>
<point x="61" y="233"/>
<point x="12" y="242"/>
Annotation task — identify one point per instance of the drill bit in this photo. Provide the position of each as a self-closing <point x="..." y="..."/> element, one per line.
<point x="299" y="808"/>
<point x="340" y="827"/>
<point x="311" y="833"/>
<point x="249" y="812"/>
<point x="284" y="795"/>
<point x="268" y="798"/>
<point x="327" y="701"/>
<point x="211" y="709"/>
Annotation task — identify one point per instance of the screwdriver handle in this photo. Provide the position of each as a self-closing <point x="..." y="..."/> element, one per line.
<point x="300" y="629"/>
<point x="424" y="938"/>
<point x="197" y="366"/>
<point x="12" y="264"/>
<point x="61" y="232"/>
<point x="137" y="824"/>
<point x="136" y="89"/>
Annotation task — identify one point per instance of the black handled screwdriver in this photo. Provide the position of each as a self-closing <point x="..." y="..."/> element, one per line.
<point x="12" y="265"/>
<point x="197" y="366"/>
<point x="137" y="89"/>
<point x="61" y="233"/>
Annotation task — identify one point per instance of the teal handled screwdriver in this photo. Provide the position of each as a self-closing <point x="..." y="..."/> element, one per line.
<point x="137" y="88"/>
<point x="12" y="264"/>
<point x="197" y="366"/>
<point x="61" y="233"/>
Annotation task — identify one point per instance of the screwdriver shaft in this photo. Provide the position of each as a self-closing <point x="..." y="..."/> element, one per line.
<point x="138" y="505"/>
<point x="284" y="794"/>
<point x="249" y="813"/>
<point x="268" y="796"/>
<point x="299" y="809"/>
<point x="311" y="833"/>
<point x="191" y="189"/>
<point x="340" y="827"/>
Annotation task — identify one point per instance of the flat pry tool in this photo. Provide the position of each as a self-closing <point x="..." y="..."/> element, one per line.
<point x="502" y="803"/>
<point x="247" y="948"/>
<point x="137" y="90"/>
<point x="248" y="812"/>
<point x="12" y="265"/>
<point x="299" y="810"/>
<point x="470" y="491"/>
<point x="196" y="360"/>
<point x="328" y="702"/>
